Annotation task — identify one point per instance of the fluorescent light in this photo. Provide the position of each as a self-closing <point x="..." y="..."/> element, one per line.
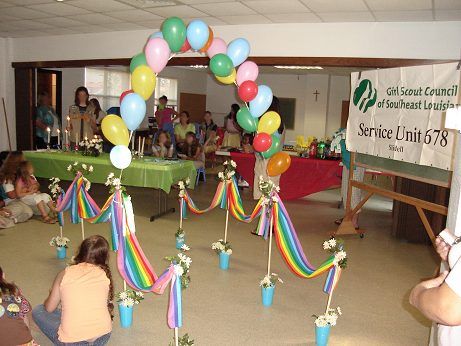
<point x="299" y="67"/>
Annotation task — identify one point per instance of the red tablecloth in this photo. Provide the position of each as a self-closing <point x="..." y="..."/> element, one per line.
<point x="304" y="177"/>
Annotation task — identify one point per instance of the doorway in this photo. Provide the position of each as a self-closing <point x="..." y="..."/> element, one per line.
<point x="50" y="81"/>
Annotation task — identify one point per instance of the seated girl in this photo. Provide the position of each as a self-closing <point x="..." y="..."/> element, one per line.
<point x="27" y="189"/>
<point x="247" y="143"/>
<point x="192" y="150"/>
<point x="85" y="292"/>
<point x="14" y="321"/>
<point x="162" y="146"/>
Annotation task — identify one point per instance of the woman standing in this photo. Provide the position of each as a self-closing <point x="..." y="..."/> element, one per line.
<point x="233" y="130"/>
<point x="85" y="292"/>
<point x="45" y="118"/>
<point x="82" y="118"/>
<point x="181" y="129"/>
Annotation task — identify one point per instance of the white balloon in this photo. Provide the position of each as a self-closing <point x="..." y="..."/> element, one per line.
<point x="120" y="156"/>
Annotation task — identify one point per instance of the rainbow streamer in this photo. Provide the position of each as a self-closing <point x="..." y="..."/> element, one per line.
<point x="60" y="214"/>
<point x="236" y="206"/>
<point x="79" y="201"/>
<point x="332" y="280"/>
<point x="174" y="315"/>
<point x="218" y="198"/>
<point x="292" y="251"/>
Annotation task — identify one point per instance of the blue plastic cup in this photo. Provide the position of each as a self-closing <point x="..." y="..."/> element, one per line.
<point x="321" y="335"/>
<point x="126" y="315"/>
<point x="224" y="260"/>
<point x="179" y="242"/>
<point x="61" y="252"/>
<point x="267" y="295"/>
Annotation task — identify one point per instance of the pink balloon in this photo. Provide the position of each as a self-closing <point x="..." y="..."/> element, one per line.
<point x="247" y="71"/>
<point x="218" y="46"/>
<point x="157" y="54"/>
<point x="262" y="142"/>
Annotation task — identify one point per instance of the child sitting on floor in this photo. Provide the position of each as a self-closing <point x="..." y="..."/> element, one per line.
<point x="192" y="150"/>
<point x="27" y="189"/>
<point x="162" y="146"/>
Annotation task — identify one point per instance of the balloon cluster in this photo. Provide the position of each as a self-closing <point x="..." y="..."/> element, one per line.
<point x="176" y="37"/>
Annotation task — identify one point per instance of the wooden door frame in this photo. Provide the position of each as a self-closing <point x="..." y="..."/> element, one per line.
<point x="58" y="87"/>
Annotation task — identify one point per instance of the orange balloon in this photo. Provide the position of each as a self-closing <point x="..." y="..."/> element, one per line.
<point x="208" y="43"/>
<point x="278" y="164"/>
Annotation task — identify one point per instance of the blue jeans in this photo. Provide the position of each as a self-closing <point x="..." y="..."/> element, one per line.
<point x="49" y="322"/>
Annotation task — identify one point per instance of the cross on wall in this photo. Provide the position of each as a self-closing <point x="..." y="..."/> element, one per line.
<point x="316" y="93"/>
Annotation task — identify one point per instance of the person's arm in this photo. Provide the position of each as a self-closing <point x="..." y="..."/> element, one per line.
<point x="21" y="190"/>
<point x="198" y="152"/>
<point x="437" y="301"/>
<point x="38" y="120"/>
<point x="155" y="152"/>
<point x="54" y="298"/>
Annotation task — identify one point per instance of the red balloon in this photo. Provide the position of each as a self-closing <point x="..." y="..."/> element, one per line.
<point x="126" y="92"/>
<point x="248" y="90"/>
<point x="262" y="142"/>
<point x="185" y="46"/>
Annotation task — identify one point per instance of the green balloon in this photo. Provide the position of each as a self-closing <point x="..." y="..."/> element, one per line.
<point x="174" y="32"/>
<point x="137" y="60"/>
<point x="221" y="65"/>
<point x="246" y="120"/>
<point x="275" y="147"/>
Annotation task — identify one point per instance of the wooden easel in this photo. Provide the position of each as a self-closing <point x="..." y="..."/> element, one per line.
<point x="347" y="226"/>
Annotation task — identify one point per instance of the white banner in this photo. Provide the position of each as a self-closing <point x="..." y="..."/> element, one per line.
<point x="399" y="113"/>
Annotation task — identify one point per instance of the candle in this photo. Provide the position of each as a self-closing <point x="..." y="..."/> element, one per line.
<point x="68" y="120"/>
<point x="139" y="145"/>
<point x="49" y="134"/>
<point x="142" y="145"/>
<point x="59" y="137"/>
<point x="132" y="141"/>
<point x="66" y="138"/>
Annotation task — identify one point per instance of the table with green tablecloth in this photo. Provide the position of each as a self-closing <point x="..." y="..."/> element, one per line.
<point x="145" y="172"/>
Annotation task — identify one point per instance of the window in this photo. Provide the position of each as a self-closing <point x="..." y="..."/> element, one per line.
<point x="169" y="88"/>
<point x="106" y="85"/>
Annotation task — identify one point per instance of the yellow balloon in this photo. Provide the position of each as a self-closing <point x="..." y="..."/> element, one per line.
<point x="269" y="122"/>
<point x="115" y="130"/>
<point x="143" y="81"/>
<point x="229" y="79"/>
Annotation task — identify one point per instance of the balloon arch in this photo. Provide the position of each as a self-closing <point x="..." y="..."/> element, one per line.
<point x="228" y="63"/>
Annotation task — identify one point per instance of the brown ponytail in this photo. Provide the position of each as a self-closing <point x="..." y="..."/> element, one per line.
<point x="95" y="250"/>
<point x="7" y="288"/>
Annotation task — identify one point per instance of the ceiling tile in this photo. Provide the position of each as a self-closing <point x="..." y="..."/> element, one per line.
<point x="59" y="9"/>
<point x="276" y="6"/>
<point x="27" y="2"/>
<point x="339" y="17"/>
<point x="194" y="2"/>
<point x="100" y="5"/>
<point x="27" y="33"/>
<point x="134" y="15"/>
<point x="4" y="4"/>
<point x="448" y="15"/>
<point x="151" y="24"/>
<point x="335" y="5"/>
<point x="23" y="12"/>
<point x="403" y="16"/>
<point x="293" y="18"/>
<point x="211" y="20"/>
<point x="124" y="26"/>
<point x="225" y="9"/>
<point x="249" y="19"/>
<point x="150" y="3"/>
<point x="181" y="11"/>
<point x="86" y="29"/>
<point x="447" y="4"/>
<point x="6" y="18"/>
<point x="32" y="24"/>
<point x="60" y="21"/>
<point x="61" y="31"/>
<point x="399" y="5"/>
<point x="95" y="18"/>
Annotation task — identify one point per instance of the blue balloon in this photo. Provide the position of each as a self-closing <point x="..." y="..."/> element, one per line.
<point x="238" y="50"/>
<point x="262" y="101"/>
<point x="120" y="156"/>
<point x="133" y="110"/>
<point x="158" y="34"/>
<point x="197" y="34"/>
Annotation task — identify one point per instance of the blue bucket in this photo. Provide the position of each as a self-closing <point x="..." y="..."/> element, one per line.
<point x="267" y="295"/>
<point x="126" y="315"/>
<point x="321" y="335"/>
<point x="61" y="252"/>
<point x="180" y="242"/>
<point x="224" y="260"/>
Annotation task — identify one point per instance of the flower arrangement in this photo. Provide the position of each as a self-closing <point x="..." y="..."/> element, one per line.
<point x="222" y="246"/>
<point x="182" y="184"/>
<point x="181" y="264"/>
<point x="59" y="241"/>
<point x="129" y="298"/>
<point x="267" y="188"/>
<point x="229" y="170"/>
<point x="54" y="187"/>
<point x="180" y="233"/>
<point x="329" y="318"/>
<point x="184" y="340"/>
<point x="82" y="168"/>
<point x="336" y="247"/>
<point x="270" y="280"/>
<point x="91" y="147"/>
<point x="114" y="183"/>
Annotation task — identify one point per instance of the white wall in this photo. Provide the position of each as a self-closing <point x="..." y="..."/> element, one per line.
<point x="7" y="92"/>
<point x="340" y="90"/>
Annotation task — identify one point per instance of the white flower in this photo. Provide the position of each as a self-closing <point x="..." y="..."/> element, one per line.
<point x="233" y="164"/>
<point x="75" y="163"/>
<point x="221" y="175"/>
<point x="187" y="181"/>
<point x="139" y="294"/>
<point x="178" y="269"/>
<point x="84" y="166"/>
<point x="341" y="255"/>
<point x="129" y="302"/>
<point x="110" y="176"/>
<point x="123" y="295"/>
<point x="116" y="182"/>
<point x="182" y="257"/>
<point x="321" y="321"/>
<point x="332" y="242"/>
<point x="266" y="282"/>
<point x="229" y="251"/>
<point x="277" y="188"/>
<point x="225" y="163"/>
<point x="188" y="262"/>
<point x="181" y="185"/>
<point x="90" y="169"/>
<point x="339" y="311"/>
<point x="326" y="245"/>
<point x="275" y="199"/>
<point x="69" y="168"/>
<point x="185" y="247"/>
